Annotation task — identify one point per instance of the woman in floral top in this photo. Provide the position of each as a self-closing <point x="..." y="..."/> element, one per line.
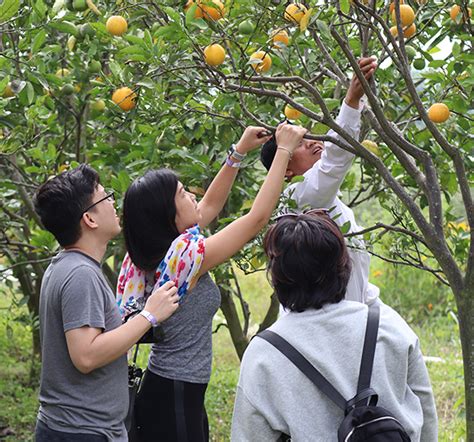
<point x="162" y="228"/>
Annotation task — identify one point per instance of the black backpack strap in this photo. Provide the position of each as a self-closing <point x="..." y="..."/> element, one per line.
<point x="367" y="361"/>
<point x="305" y="366"/>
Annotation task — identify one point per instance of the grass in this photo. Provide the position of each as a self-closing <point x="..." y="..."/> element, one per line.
<point x="427" y="306"/>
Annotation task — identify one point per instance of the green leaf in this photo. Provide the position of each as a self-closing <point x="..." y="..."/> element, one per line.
<point x="345" y="7"/>
<point x="135" y="40"/>
<point x="323" y="27"/>
<point x="147" y="83"/>
<point x="3" y="83"/>
<point x="38" y="41"/>
<point x="332" y="103"/>
<point x="437" y="63"/>
<point x="297" y="179"/>
<point x="65" y="26"/>
<point x="40" y="8"/>
<point x="345" y="227"/>
<point x="8" y="9"/>
<point x="131" y="50"/>
<point x="172" y="14"/>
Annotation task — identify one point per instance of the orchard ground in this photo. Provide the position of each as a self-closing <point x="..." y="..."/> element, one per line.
<point x="426" y="305"/>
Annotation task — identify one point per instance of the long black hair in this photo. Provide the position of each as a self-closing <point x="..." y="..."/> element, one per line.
<point x="149" y="212"/>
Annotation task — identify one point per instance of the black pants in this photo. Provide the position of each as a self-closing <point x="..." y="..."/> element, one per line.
<point x="45" y="434"/>
<point x="171" y="411"/>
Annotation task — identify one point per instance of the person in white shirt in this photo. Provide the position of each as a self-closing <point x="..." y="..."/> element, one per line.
<point x="324" y="167"/>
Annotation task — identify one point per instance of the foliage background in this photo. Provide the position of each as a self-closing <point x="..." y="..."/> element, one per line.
<point x="188" y="114"/>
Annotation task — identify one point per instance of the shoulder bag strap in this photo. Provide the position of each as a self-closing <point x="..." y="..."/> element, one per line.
<point x="305" y="366"/>
<point x="367" y="361"/>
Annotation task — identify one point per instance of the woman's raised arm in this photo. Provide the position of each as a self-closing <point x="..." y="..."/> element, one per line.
<point x="218" y="192"/>
<point x="227" y="242"/>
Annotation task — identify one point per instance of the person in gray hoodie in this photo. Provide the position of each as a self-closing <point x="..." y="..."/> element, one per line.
<point x="309" y="267"/>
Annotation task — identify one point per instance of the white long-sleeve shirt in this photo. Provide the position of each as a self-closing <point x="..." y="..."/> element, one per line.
<point x="320" y="189"/>
<point x="274" y="397"/>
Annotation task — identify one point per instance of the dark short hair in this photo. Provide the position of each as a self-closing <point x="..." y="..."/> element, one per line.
<point x="268" y="151"/>
<point x="149" y="213"/>
<point x="61" y="201"/>
<point x="309" y="264"/>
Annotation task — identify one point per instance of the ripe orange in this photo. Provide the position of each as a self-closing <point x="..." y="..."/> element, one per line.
<point x="392" y="6"/>
<point x="456" y="10"/>
<point x="294" y="12"/>
<point x="407" y="32"/>
<point x="125" y="98"/>
<point x="266" y="63"/>
<point x="212" y="9"/>
<point x="214" y="55"/>
<point x="438" y="113"/>
<point x="280" y="38"/>
<point x="116" y="25"/>
<point x="407" y="15"/>
<point x="197" y="13"/>
<point x="291" y="113"/>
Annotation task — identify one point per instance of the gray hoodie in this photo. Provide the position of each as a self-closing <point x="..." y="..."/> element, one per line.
<point x="274" y="397"/>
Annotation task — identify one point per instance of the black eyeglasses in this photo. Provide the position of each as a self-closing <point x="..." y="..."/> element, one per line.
<point x="288" y="212"/>
<point x="109" y="197"/>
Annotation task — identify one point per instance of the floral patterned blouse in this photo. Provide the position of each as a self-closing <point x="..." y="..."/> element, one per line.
<point x="181" y="264"/>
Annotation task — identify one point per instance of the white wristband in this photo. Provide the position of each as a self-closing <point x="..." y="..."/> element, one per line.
<point x="146" y="314"/>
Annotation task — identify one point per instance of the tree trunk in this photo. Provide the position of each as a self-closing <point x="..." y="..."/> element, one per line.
<point x="272" y="313"/>
<point x="229" y="310"/>
<point x="465" y="302"/>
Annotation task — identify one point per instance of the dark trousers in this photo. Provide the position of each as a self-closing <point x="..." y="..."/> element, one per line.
<point x="171" y="411"/>
<point x="45" y="434"/>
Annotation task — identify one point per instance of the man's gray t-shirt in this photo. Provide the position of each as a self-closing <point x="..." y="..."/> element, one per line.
<point x="74" y="294"/>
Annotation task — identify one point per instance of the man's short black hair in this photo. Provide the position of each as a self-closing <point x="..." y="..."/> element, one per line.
<point x="308" y="261"/>
<point x="268" y="151"/>
<point x="60" y="202"/>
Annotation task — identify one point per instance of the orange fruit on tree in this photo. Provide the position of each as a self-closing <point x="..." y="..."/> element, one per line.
<point x="280" y="38"/>
<point x="125" y="98"/>
<point x="392" y="5"/>
<point x="407" y="32"/>
<point x="407" y="15"/>
<point x="197" y="12"/>
<point x="214" y="55"/>
<point x="291" y="113"/>
<point x="116" y="25"/>
<point x="438" y="113"/>
<point x="294" y="12"/>
<point x="455" y="10"/>
<point x="212" y="9"/>
<point x="98" y="105"/>
<point x="264" y="65"/>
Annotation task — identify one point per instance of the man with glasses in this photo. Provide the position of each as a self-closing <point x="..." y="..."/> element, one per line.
<point x="84" y="379"/>
<point x="324" y="167"/>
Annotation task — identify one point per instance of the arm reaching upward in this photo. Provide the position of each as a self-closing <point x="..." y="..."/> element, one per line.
<point x="323" y="180"/>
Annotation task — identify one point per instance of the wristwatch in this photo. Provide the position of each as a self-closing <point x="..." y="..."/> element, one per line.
<point x="146" y="314"/>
